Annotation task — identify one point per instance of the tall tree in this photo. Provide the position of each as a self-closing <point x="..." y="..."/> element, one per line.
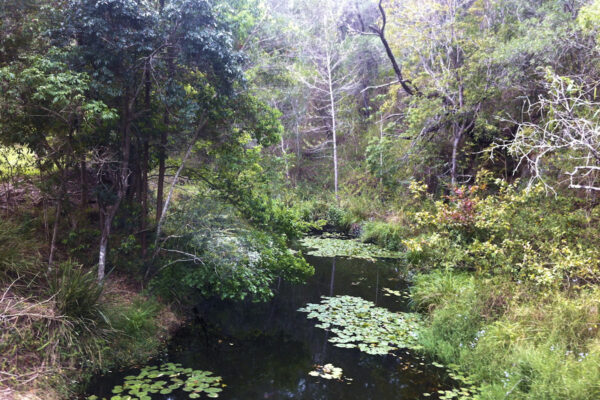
<point x="328" y="76"/>
<point x="141" y="53"/>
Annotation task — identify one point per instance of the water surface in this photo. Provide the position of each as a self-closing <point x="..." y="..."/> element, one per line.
<point x="265" y="350"/>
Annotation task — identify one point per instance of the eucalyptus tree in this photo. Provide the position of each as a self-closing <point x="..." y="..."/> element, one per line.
<point x="325" y="70"/>
<point x="268" y="31"/>
<point x="564" y="140"/>
<point x="558" y="135"/>
<point x="464" y="61"/>
<point x="449" y="68"/>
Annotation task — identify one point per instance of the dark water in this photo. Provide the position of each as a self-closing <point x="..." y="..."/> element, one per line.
<point x="265" y="351"/>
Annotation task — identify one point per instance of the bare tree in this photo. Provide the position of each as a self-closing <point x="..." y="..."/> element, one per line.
<point x="330" y="78"/>
<point x="563" y="131"/>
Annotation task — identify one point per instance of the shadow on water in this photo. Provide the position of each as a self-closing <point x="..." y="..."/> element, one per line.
<point x="265" y="350"/>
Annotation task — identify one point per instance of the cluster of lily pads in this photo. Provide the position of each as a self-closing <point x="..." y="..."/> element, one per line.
<point x="330" y="247"/>
<point x="165" y="379"/>
<point x="467" y="390"/>
<point x="358" y="323"/>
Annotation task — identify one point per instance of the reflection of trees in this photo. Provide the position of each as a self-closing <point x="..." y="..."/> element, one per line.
<point x="276" y="346"/>
<point x="377" y="286"/>
<point x="319" y="358"/>
<point x="332" y="277"/>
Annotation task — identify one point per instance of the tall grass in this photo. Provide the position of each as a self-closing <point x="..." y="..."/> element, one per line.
<point x="19" y="252"/>
<point x="136" y="326"/>
<point x="77" y="296"/>
<point x="515" y="343"/>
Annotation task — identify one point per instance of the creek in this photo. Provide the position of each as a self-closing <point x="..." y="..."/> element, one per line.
<point x="266" y="350"/>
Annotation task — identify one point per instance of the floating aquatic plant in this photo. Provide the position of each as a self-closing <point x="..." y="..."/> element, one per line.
<point x="164" y="380"/>
<point x="330" y="247"/>
<point x="327" y="371"/>
<point x="358" y="323"/>
<point x="389" y="292"/>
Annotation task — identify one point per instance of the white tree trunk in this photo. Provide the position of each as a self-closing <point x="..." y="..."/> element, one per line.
<point x="381" y="150"/>
<point x="284" y="154"/>
<point x="54" y="234"/>
<point x="333" y="126"/>
<point x="172" y="188"/>
<point x="106" y="225"/>
<point x="455" y="142"/>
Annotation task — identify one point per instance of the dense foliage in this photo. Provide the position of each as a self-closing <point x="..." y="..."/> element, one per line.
<point x="184" y="145"/>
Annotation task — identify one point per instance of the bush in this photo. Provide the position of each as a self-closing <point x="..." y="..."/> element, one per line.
<point x="76" y="293"/>
<point x="338" y="218"/>
<point x="384" y="234"/>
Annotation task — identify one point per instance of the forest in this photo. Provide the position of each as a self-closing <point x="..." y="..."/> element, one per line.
<point x="299" y="199"/>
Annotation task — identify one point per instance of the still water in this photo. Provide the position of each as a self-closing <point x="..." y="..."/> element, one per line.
<point x="265" y="350"/>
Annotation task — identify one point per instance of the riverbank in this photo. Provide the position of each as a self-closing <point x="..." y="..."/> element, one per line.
<point x="512" y="341"/>
<point x="507" y="279"/>
<point x="57" y="326"/>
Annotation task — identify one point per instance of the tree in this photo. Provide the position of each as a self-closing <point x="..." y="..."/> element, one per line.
<point x="47" y="109"/>
<point x="143" y="71"/>
<point x="328" y="76"/>
<point x="562" y="134"/>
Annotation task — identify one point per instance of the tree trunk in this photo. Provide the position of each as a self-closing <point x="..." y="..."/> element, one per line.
<point x="144" y="224"/>
<point x="162" y="154"/>
<point x="333" y="127"/>
<point x="54" y="233"/>
<point x="61" y="194"/>
<point x="284" y="155"/>
<point x="143" y="195"/>
<point x="122" y="186"/>
<point x="381" y="151"/>
<point x="105" y="234"/>
<point x="172" y="188"/>
<point x="455" y="142"/>
<point x="388" y="50"/>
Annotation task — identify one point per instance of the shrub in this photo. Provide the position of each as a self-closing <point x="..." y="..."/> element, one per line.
<point x="384" y="234"/>
<point x="76" y="294"/>
<point x="338" y="218"/>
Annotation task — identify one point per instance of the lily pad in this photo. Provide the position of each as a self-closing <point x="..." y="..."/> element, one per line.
<point x="328" y="247"/>
<point x="356" y="322"/>
<point x="153" y="379"/>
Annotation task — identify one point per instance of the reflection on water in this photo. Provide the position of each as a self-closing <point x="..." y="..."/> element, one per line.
<point x="266" y="350"/>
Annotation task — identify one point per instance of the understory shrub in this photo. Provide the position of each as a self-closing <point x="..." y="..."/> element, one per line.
<point x="522" y="234"/>
<point x="384" y="234"/>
